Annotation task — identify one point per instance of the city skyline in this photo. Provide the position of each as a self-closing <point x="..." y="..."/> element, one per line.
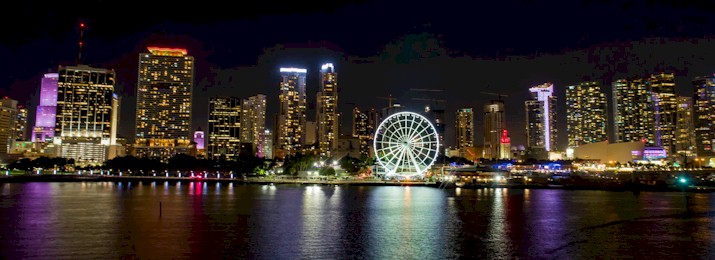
<point x="389" y="66"/>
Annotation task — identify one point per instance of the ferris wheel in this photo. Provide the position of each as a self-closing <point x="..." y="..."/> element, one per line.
<point x="406" y="144"/>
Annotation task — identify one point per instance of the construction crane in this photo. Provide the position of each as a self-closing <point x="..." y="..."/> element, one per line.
<point x="426" y="89"/>
<point x="499" y="95"/>
<point x="430" y="99"/>
<point x="389" y="99"/>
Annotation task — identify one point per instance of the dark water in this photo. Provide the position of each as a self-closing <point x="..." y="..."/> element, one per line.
<point x="108" y="220"/>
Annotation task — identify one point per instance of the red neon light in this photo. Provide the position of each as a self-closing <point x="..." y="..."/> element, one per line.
<point x="164" y="49"/>
<point x="505" y="137"/>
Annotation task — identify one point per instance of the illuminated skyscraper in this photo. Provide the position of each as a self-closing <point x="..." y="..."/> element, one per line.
<point x="666" y="106"/>
<point x="494" y="124"/>
<point x="8" y="117"/>
<point x="541" y="118"/>
<point x="684" y="128"/>
<point x="704" y="114"/>
<point x="327" y="116"/>
<point x="164" y="97"/>
<point x="253" y="120"/>
<point x="464" y="128"/>
<point x="21" y="124"/>
<point x="83" y="125"/>
<point x="364" y="125"/>
<point x="291" y="112"/>
<point x="224" y="128"/>
<point x="45" y="113"/>
<point x="633" y="111"/>
<point x="265" y="145"/>
<point x="585" y="114"/>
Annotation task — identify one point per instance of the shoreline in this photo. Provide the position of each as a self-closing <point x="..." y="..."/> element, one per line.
<point x="447" y="185"/>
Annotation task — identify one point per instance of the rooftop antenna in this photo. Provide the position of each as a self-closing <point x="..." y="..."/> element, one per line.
<point x="81" y="42"/>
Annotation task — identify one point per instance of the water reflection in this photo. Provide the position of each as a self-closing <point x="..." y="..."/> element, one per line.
<point x="230" y="220"/>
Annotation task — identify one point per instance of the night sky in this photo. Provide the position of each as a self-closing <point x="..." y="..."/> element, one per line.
<point x="378" y="48"/>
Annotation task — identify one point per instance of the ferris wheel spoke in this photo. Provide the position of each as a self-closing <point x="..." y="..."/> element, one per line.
<point x="399" y="159"/>
<point x="405" y="128"/>
<point x="414" y="162"/>
<point x="420" y="135"/>
<point x="425" y="142"/>
<point x="428" y="154"/>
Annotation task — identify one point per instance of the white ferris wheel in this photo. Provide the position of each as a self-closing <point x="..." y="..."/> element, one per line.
<point x="406" y="144"/>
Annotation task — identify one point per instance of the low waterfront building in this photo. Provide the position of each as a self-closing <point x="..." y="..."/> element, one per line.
<point x="622" y="152"/>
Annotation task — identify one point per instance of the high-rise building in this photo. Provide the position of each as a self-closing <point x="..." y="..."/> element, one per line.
<point x="46" y="111"/>
<point x="684" y="128"/>
<point x="541" y="118"/>
<point x="115" y="149"/>
<point x="224" y="128"/>
<point x="494" y="124"/>
<point x="665" y="103"/>
<point x="327" y="116"/>
<point x="464" y="126"/>
<point x="585" y="114"/>
<point x="164" y="98"/>
<point x="633" y="111"/>
<point x="224" y="131"/>
<point x="8" y="117"/>
<point x="253" y="120"/>
<point x="83" y="124"/>
<point x="704" y="114"/>
<point x="291" y="116"/>
<point x="20" y="131"/>
<point x="364" y="125"/>
<point x="310" y="138"/>
<point x="265" y="145"/>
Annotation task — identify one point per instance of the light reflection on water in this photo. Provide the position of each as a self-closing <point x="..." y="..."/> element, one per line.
<point x="227" y="220"/>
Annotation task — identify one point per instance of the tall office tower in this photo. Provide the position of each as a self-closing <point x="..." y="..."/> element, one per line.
<point x="374" y="118"/>
<point x="360" y="122"/>
<point x="115" y="149"/>
<point x="310" y="137"/>
<point x="633" y="113"/>
<point x="327" y="111"/>
<point x="164" y="97"/>
<point x="464" y="126"/>
<point x="505" y="143"/>
<point x="704" y="114"/>
<point x="253" y="120"/>
<point x="494" y="124"/>
<point x="224" y="128"/>
<point x="45" y="114"/>
<point x="684" y="128"/>
<point x="666" y="105"/>
<point x="541" y="118"/>
<point x="439" y="126"/>
<point x="265" y="145"/>
<point x="8" y="117"/>
<point x="585" y="114"/>
<point x="361" y="130"/>
<point x="20" y="132"/>
<point x="291" y="112"/>
<point x="83" y="125"/>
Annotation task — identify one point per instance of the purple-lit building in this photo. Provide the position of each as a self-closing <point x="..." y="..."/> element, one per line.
<point x="46" y="110"/>
<point x="199" y="139"/>
<point x="541" y="118"/>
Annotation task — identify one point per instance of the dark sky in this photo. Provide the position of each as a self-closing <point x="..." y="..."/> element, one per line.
<point x="464" y="48"/>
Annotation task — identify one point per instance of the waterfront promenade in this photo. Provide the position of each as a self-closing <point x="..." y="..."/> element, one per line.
<point x="576" y="182"/>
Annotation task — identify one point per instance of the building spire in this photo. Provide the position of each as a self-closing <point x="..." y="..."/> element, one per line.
<point x="81" y="42"/>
